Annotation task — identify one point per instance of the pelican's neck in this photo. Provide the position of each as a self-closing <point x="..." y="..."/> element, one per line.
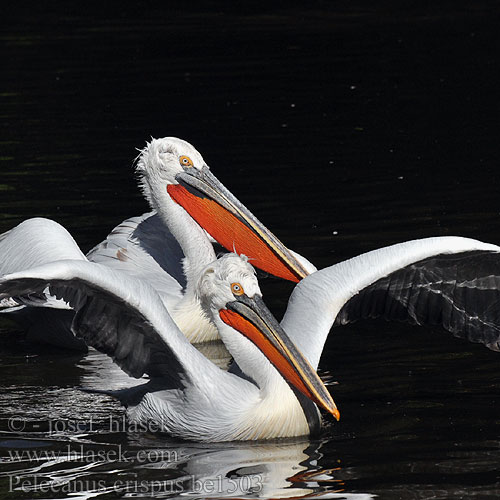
<point x="192" y="320"/>
<point x="198" y="253"/>
<point x="276" y="412"/>
<point x="253" y="363"/>
<point x="197" y="248"/>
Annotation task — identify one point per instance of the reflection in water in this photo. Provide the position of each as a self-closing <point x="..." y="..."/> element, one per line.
<point x="63" y="440"/>
<point x="72" y="441"/>
<point x="141" y="468"/>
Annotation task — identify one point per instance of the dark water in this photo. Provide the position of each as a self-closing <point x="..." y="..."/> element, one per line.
<point x="344" y="128"/>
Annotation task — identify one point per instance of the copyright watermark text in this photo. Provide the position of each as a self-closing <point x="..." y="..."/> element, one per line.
<point x="80" y="453"/>
<point x="75" y="426"/>
<point x="207" y="486"/>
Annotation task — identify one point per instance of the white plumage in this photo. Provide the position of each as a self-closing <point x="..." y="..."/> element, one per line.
<point x="166" y="247"/>
<point x="187" y="395"/>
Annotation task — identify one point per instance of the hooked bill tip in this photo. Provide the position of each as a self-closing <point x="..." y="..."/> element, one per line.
<point x="336" y="414"/>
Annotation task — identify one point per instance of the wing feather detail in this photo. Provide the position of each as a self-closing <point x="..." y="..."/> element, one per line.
<point x="460" y="292"/>
<point x="144" y="247"/>
<point x="449" y="281"/>
<point x="117" y="314"/>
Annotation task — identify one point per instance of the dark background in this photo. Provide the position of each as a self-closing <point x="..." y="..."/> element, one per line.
<point x="348" y="113"/>
<point x="344" y="126"/>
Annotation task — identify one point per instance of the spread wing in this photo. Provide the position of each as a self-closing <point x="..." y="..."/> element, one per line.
<point x="449" y="281"/>
<point x="144" y="247"/>
<point x="32" y="243"/>
<point x="35" y="242"/>
<point x="117" y="314"/>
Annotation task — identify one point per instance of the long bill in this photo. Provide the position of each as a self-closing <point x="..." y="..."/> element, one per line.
<point x="230" y="223"/>
<point x="252" y="318"/>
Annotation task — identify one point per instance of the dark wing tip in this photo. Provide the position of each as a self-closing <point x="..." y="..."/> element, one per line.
<point x="460" y="292"/>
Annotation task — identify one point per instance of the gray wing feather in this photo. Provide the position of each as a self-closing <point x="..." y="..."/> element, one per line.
<point x="460" y="292"/>
<point x="118" y="315"/>
<point x="456" y="275"/>
<point x="145" y="248"/>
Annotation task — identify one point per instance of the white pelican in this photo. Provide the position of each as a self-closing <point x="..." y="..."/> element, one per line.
<point x="450" y="281"/>
<point x="168" y="247"/>
<point x="187" y="395"/>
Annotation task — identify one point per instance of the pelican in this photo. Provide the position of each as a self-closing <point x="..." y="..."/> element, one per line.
<point x="167" y="247"/>
<point x="188" y="396"/>
<point x="170" y="246"/>
<point x="449" y="281"/>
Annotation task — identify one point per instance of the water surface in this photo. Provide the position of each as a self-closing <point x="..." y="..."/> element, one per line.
<point x="343" y="130"/>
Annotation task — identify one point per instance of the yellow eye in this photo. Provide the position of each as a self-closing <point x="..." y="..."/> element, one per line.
<point x="237" y="289"/>
<point x="185" y="161"/>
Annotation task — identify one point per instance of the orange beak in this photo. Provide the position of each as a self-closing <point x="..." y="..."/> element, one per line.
<point x="231" y="224"/>
<point x="253" y="319"/>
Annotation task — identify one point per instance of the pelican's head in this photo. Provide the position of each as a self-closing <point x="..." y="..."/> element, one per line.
<point x="161" y="161"/>
<point x="229" y="292"/>
<point x="174" y="168"/>
<point x="220" y="281"/>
